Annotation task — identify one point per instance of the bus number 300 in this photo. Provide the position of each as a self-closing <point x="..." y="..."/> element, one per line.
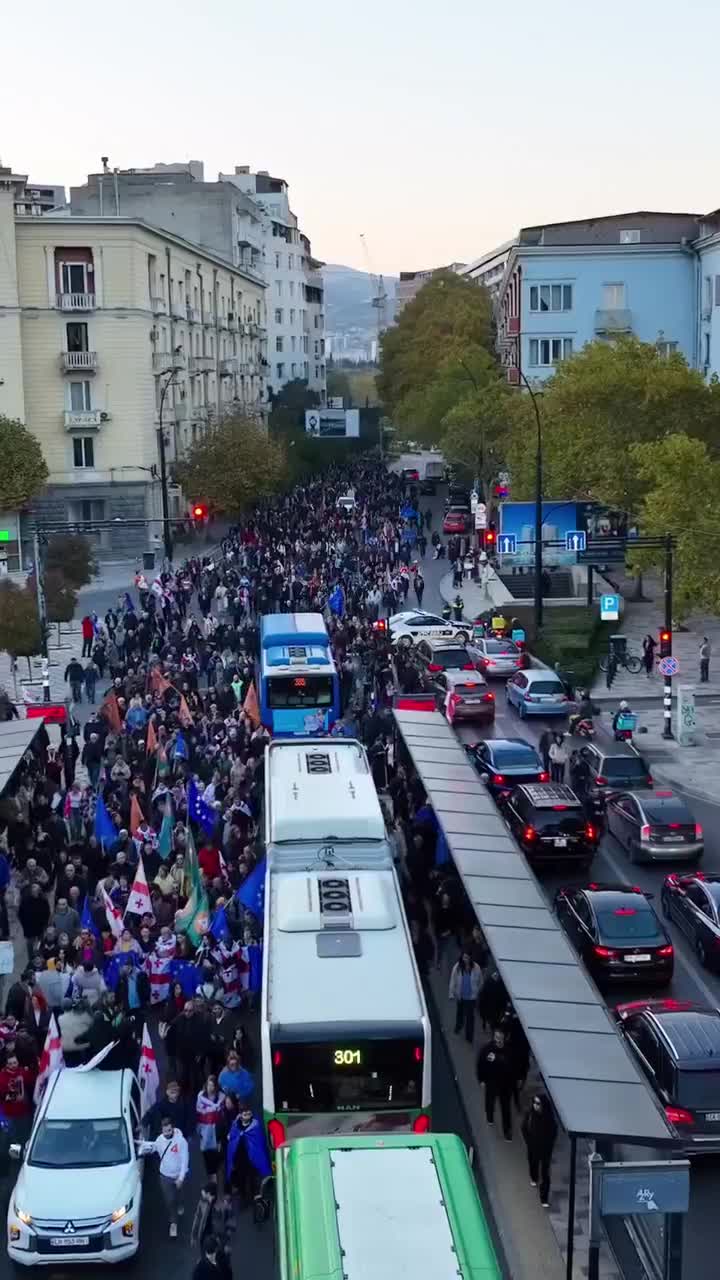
<point x="347" y="1057"/>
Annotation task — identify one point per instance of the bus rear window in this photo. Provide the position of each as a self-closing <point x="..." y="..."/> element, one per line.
<point x="348" y="1075"/>
<point x="299" y="691"/>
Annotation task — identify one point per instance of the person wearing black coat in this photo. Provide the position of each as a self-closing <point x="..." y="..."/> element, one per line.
<point x="215" y="1263"/>
<point x="494" y="1069"/>
<point x="539" y="1129"/>
<point x="492" y="1001"/>
<point x="34" y="917"/>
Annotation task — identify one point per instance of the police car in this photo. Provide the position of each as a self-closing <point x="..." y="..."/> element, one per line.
<point x="414" y="624"/>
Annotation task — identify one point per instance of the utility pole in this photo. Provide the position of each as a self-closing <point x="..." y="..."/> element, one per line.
<point x="42" y="616"/>
<point x="667" y="689"/>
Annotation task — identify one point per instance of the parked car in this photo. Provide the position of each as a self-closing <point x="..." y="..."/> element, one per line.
<point x="497" y="658"/>
<point x="462" y="695"/>
<point x="537" y="692"/>
<point x="676" y="1044"/>
<point x="597" y="769"/>
<point x="549" y="823"/>
<point x="692" y="902"/>
<point x="654" y="826"/>
<point x="618" y="934"/>
<point x="79" y="1190"/>
<point x="504" y="763"/>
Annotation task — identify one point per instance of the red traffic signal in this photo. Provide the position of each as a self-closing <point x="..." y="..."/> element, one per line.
<point x="489" y="537"/>
<point x="665" y="643"/>
<point x="200" y="511"/>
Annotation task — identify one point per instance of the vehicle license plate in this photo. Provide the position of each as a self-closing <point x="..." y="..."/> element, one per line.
<point x="635" y="959"/>
<point x="69" y="1242"/>
<point x="712" y="1115"/>
<point x="561" y="842"/>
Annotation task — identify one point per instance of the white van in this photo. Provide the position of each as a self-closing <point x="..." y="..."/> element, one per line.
<point x="79" y="1191"/>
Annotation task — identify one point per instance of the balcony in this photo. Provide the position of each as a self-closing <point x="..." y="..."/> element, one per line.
<point x="209" y="318"/>
<point x="192" y="314"/>
<point x="75" y="301"/>
<point x="202" y="364"/>
<point x="233" y="323"/>
<point x="614" y="320"/>
<point x="180" y="412"/>
<point x="74" y="361"/>
<point x="83" y="419"/>
<point x="178" y="310"/>
<point x="228" y="367"/>
<point x="513" y="326"/>
<point x="158" y="305"/>
<point x="163" y="361"/>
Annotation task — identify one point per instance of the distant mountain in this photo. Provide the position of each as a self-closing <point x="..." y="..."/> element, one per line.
<point x="348" y="295"/>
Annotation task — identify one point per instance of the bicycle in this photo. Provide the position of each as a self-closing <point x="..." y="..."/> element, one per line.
<point x="262" y="1203"/>
<point x="629" y="661"/>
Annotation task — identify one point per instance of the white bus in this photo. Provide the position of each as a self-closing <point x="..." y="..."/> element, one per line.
<point x="345" y="1033"/>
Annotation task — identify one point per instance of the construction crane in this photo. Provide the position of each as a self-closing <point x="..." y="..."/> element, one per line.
<point x="379" y="299"/>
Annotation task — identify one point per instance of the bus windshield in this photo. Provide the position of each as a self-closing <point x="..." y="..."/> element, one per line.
<point x="299" y="691"/>
<point x="334" y="1076"/>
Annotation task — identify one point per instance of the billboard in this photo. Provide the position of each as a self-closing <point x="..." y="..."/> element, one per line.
<point x="333" y="424"/>
<point x="559" y="518"/>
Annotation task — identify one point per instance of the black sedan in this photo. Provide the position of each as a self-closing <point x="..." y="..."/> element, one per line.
<point x="617" y="933"/>
<point x="503" y="763"/>
<point x="692" y="902"/>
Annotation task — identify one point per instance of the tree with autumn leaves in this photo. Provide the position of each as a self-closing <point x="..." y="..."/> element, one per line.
<point x="233" y="466"/>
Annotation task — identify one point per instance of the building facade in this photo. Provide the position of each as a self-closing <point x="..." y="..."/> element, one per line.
<point x="108" y="328"/>
<point x="411" y="282"/>
<point x="296" y="297"/>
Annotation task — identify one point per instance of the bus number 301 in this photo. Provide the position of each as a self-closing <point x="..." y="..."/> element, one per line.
<point x="347" y="1057"/>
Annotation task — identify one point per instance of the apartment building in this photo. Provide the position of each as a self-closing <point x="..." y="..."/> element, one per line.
<point x="411" y="282"/>
<point x="110" y="327"/>
<point x="296" y="295"/>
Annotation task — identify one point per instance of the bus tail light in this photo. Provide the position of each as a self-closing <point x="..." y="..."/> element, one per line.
<point x="421" y="1124"/>
<point x="276" y="1134"/>
<point x="678" y="1115"/>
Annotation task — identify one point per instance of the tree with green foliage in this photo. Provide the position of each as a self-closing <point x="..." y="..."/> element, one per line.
<point x="338" y="384"/>
<point x="474" y="431"/>
<point x="233" y="466"/>
<point x="681" y="481"/>
<point x="23" y="472"/>
<point x="599" y="404"/>
<point x="60" y="596"/>
<point x="72" y="556"/>
<point x="19" y="625"/>
<point x="441" y="344"/>
<point x="290" y="403"/>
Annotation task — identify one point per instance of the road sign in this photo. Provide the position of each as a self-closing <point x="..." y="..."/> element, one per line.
<point x="604" y="551"/>
<point x="481" y="516"/>
<point x="669" y="666"/>
<point x="507" y="544"/>
<point x="575" y="540"/>
<point x="609" y="608"/>
<point x="474" y="500"/>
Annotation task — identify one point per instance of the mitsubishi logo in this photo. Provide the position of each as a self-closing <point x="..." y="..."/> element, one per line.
<point x="69" y="1229"/>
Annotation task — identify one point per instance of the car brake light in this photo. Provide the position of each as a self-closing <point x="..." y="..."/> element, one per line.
<point x="434" y="666"/>
<point x="589" y="832"/>
<point x="559" y="808"/>
<point x="489" y="662"/>
<point x="601" y="782"/>
<point x="488" y="697"/>
<point x="624" y="911"/>
<point x="498" y="777"/>
<point x="673" y="826"/>
<point x="529" y="833"/>
<point x="544" y="777"/>
<point x="421" y="1124"/>
<point x="645" y="832"/>
<point x="649" y="780"/>
<point x="665" y="951"/>
<point x="698" y="831"/>
<point x="468" y="666"/>
<point x="276" y="1134"/>
<point x="418" y="1053"/>
<point x="605" y="953"/>
<point x="277" y="1058"/>
<point x="678" y="1115"/>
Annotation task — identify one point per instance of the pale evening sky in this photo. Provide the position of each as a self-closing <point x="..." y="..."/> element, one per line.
<point x="437" y="129"/>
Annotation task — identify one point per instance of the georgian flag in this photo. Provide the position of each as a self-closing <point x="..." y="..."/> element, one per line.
<point x="138" y="903"/>
<point x="157" y="968"/>
<point x="148" y="1073"/>
<point x="51" y="1059"/>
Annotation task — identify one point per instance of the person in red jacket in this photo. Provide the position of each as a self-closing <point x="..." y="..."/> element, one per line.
<point x="88" y="635"/>
<point x="209" y="859"/>
<point x="16" y="1095"/>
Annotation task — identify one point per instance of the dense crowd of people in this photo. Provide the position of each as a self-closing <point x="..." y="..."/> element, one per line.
<point x="132" y="850"/>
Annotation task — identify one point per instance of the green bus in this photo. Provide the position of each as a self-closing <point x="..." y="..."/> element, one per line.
<point x="349" y="1208"/>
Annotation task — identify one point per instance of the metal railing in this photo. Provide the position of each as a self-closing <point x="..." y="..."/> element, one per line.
<point x="76" y="301"/>
<point x="73" y="360"/>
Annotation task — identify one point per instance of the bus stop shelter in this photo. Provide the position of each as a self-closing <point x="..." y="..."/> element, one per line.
<point x="16" y="736"/>
<point x="597" y="1090"/>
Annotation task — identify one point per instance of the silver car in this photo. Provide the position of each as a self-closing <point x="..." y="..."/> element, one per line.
<point x="497" y="658"/>
<point x="654" y="826"/>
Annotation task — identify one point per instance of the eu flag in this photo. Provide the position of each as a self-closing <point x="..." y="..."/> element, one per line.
<point x="219" y="927"/>
<point x="252" y="891"/>
<point x="336" y="601"/>
<point x="105" y="829"/>
<point x="199" y="810"/>
<point x="86" y="919"/>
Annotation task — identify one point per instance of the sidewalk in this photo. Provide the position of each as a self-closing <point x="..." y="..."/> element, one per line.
<point x="533" y="1239"/>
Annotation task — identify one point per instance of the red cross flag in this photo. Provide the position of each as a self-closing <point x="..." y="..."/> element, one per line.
<point x="148" y="1073"/>
<point x="51" y="1059"/>
<point x="138" y="903"/>
<point x="112" y="914"/>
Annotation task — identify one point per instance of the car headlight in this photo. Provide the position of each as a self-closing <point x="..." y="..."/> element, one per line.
<point x="24" y="1217"/>
<point x="117" y="1214"/>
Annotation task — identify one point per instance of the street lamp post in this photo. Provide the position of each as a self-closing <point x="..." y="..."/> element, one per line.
<point x="538" y="509"/>
<point x="167" y="533"/>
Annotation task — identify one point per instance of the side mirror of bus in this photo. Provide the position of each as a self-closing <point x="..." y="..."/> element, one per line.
<point x="484" y="777"/>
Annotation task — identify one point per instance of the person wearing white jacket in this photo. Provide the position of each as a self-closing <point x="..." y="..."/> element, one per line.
<point x="172" y="1148"/>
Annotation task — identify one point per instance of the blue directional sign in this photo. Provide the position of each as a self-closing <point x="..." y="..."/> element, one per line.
<point x="609" y="608"/>
<point x="507" y="544"/>
<point x="575" y="539"/>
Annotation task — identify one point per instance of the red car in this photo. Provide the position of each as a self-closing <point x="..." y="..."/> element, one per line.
<point x="455" y="522"/>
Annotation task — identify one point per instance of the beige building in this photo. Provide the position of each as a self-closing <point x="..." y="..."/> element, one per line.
<point x="107" y="323"/>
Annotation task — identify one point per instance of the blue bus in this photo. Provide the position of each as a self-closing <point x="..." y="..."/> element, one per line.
<point x="299" y="685"/>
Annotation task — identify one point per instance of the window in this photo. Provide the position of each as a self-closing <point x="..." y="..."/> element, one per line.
<point x="280" y="370"/>
<point x="74" y="277"/>
<point x="80" y="396"/>
<point x="306" y="344"/>
<point x="277" y="261"/>
<point x="666" y="348"/>
<point x="293" y="342"/>
<point x="707" y="293"/>
<point x="291" y="287"/>
<point x="317" y="371"/>
<point x="317" y="347"/>
<point x="706" y="361"/>
<point x="306" y="370"/>
<point x="83" y="451"/>
<point x="291" y="260"/>
<point x="278" y="288"/>
<point x="613" y="297"/>
<point x="278" y="344"/>
<point x="292" y="315"/>
<point x="629" y="237"/>
<point x="77" y="336"/>
<point x="549" y="351"/>
<point x="551" y="297"/>
<point x="278" y="315"/>
<point x="317" y="322"/>
<point x="87" y="511"/>
<point x="293" y="370"/>
<point x="717" y="291"/>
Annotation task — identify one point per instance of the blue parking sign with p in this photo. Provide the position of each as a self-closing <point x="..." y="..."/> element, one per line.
<point x="609" y="608"/>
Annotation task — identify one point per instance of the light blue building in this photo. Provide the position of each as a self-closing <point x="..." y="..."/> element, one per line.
<point x="557" y="287"/>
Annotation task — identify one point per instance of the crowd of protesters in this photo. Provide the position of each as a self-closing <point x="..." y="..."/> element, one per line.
<point x="98" y="833"/>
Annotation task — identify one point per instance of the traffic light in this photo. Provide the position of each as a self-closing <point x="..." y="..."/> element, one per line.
<point x="199" y="512"/>
<point x="490" y="537"/>
<point x="665" y="643"/>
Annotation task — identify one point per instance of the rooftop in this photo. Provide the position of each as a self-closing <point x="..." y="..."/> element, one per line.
<point x="79" y="1095"/>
